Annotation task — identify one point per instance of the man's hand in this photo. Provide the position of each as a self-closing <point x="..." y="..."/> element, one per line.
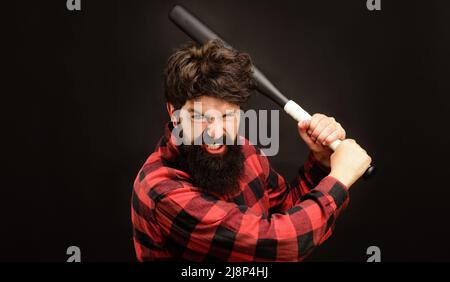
<point x="318" y="133"/>
<point x="349" y="162"/>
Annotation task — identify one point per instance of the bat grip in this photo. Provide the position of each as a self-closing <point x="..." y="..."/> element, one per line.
<point x="299" y="114"/>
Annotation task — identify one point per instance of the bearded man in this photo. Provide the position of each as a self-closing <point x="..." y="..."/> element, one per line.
<point x="204" y="196"/>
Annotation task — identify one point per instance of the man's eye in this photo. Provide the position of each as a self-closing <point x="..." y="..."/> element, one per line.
<point x="198" y="117"/>
<point x="228" y="116"/>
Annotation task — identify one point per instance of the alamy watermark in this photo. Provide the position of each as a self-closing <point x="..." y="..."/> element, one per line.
<point x="74" y="254"/>
<point x="373" y="5"/>
<point x="375" y="254"/>
<point x="73" y="5"/>
<point x="251" y="124"/>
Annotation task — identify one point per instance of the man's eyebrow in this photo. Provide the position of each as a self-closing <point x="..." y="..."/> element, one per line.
<point x="191" y="110"/>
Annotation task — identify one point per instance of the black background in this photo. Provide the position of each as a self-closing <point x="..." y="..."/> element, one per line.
<point x="83" y="108"/>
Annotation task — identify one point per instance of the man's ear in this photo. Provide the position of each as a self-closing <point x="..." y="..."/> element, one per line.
<point x="171" y="112"/>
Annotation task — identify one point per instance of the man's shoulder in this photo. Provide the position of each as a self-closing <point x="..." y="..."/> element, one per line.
<point x="163" y="185"/>
<point x="249" y="148"/>
<point x="255" y="159"/>
<point x="158" y="173"/>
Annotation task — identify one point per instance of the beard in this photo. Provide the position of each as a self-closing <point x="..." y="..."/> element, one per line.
<point x="216" y="174"/>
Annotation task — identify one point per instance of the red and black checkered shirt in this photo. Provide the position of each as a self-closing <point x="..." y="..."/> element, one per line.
<point x="269" y="219"/>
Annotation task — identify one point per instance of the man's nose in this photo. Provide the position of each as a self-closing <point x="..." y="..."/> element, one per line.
<point x="215" y="130"/>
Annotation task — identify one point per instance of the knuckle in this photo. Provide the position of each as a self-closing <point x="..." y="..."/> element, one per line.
<point x="335" y="128"/>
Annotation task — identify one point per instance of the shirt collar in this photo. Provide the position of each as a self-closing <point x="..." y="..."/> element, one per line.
<point x="167" y="144"/>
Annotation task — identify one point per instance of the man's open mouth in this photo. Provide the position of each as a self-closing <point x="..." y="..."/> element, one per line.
<point x="214" y="148"/>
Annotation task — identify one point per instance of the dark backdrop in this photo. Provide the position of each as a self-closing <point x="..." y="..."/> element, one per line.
<point x="83" y="108"/>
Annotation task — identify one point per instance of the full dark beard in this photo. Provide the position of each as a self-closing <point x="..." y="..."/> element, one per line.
<point x="217" y="174"/>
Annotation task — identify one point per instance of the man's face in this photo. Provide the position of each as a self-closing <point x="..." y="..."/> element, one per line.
<point x="206" y="121"/>
<point x="210" y="122"/>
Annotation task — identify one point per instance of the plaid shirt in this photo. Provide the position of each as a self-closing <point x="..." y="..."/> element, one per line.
<point x="269" y="219"/>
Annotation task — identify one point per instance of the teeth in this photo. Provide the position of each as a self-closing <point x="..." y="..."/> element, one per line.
<point x="215" y="146"/>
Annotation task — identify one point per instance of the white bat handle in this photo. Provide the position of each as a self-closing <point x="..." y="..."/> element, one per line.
<point x="295" y="111"/>
<point x="299" y="114"/>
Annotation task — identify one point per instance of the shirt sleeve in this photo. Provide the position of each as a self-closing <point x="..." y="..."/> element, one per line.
<point x="199" y="227"/>
<point x="283" y="194"/>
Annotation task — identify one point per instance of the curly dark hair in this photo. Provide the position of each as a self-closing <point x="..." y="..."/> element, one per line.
<point x="211" y="69"/>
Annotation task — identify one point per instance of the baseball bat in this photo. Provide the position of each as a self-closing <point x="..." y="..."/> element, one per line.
<point x="201" y="33"/>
